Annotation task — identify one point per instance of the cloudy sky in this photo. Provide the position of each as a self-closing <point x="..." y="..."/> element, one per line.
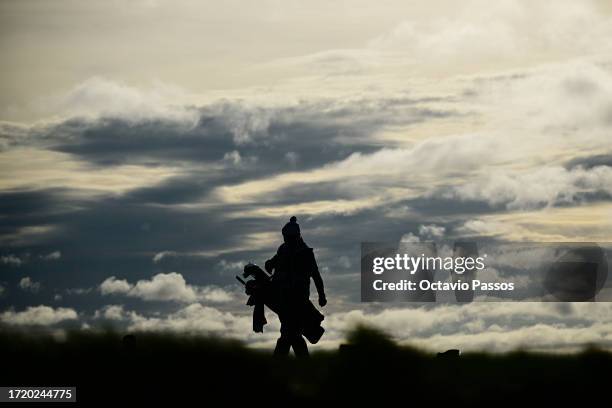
<point x="148" y="149"/>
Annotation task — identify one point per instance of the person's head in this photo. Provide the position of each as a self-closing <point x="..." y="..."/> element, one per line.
<point x="291" y="231"/>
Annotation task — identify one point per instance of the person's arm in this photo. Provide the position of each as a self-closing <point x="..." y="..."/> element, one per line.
<point x="318" y="281"/>
<point x="270" y="264"/>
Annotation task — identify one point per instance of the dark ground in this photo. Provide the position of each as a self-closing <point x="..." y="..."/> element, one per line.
<point x="369" y="369"/>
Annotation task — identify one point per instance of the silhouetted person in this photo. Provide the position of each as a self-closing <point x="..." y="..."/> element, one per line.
<point x="294" y="265"/>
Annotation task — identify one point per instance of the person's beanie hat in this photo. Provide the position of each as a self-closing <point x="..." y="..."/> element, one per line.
<point x="292" y="228"/>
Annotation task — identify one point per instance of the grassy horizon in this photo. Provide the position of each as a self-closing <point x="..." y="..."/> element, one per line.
<point x="105" y="366"/>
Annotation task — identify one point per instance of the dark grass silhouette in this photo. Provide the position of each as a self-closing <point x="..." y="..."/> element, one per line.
<point x="369" y="368"/>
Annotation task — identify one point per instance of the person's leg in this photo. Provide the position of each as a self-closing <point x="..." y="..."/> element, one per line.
<point x="282" y="346"/>
<point x="291" y="331"/>
<point x="299" y="346"/>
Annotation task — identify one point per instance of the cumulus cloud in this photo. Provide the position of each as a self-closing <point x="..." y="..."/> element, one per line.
<point x="38" y="315"/>
<point x="52" y="256"/>
<point x="11" y="259"/>
<point x="171" y="286"/>
<point x="523" y="115"/>
<point x="214" y="295"/>
<point x="164" y="287"/>
<point x="546" y="186"/>
<point x="231" y="266"/>
<point x="431" y="231"/>
<point x="195" y="318"/>
<point x="497" y="327"/>
<point x="113" y="285"/>
<point x="111" y="312"/>
<point x="27" y="284"/>
<point x="410" y="238"/>
<point x="233" y="157"/>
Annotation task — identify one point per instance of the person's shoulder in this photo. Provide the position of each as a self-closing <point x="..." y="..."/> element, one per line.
<point x="306" y="249"/>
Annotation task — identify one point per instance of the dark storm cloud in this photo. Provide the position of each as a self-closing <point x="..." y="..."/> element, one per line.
<point x="195" y="187"/>
<point x="14" y="205"/>
<point x="116" y="236"/>
<point x="588" y="162"/>
<point x="100" y="235"/>
<point x="120" y="236"/>
<point x="122" y="228"/>
<point x="317" y="133"/>
<point x="184" y="189"/>
<point x="12" y="135"/>
<point x="587" y="197"/>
